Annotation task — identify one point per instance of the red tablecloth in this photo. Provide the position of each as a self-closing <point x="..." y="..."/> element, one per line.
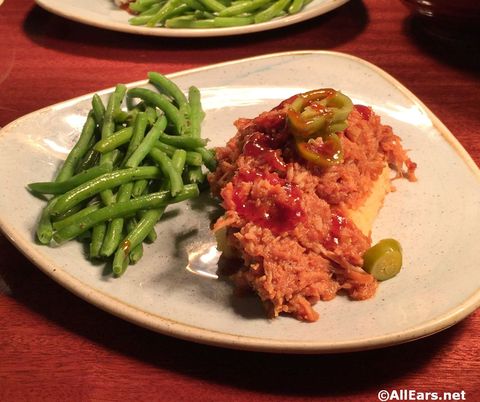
<point x="54" y="346"/>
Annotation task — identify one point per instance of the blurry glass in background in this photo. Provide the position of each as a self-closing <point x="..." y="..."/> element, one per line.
<point x="457" y="19"/>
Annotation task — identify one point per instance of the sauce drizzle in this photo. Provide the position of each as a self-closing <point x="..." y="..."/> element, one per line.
<point x="365" y="111"/>
<point x="277" y="213"/>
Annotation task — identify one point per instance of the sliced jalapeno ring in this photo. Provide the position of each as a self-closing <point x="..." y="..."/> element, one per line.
<point x="318" y="112"/>
<point x="383" y="260"/>
<point x="305" y="98"/>
<point x="336" y="127"/>
<point x="341" y="106"/>
<point x="318" y="94"/>
<point x="326" y="154"/>
<point x="304" y="128"/>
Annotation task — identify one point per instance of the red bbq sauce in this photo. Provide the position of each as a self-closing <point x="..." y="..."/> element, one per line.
<point x="279" y="214"/>
<point x="279" y="211"/>
<point x="266" y="142"/>
<point x="259" y="146"/>
<point x="324" y="149"/>
<point x="271" y="123"/>
<point x="338" y="222"/>
<point x="365" y="111"/>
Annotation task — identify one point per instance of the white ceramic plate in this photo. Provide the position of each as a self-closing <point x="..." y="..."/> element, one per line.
<point x="437" y="219"/>
<point x="104" y="14"/>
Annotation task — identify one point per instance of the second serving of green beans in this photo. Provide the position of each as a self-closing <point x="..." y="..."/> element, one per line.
<point x="207" y="14"/>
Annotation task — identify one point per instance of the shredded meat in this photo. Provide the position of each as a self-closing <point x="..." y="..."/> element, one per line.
<point x="284" y="215"/>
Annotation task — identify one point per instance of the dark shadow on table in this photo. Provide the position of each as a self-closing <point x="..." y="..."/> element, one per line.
<point x="459" y="48"/>
<point x="274" y="374"/>
<point x="324" y="32"/>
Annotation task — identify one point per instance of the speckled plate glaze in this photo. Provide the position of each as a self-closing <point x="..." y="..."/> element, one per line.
<point x="104" y="14"/>
<point x="437" y="219"/>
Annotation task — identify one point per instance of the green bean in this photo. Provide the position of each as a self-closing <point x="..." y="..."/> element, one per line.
<point x="116" y="140"/>
<point x="139" y="127"/>
<point x="118" y="156"/>
<point x="139" y="188"/>
<point x="152" y="115"/>
<point x="113" y="107"/>
<point x="195" y="5"/>
<point x="189" y="22"/>
<point x="131" y="223"/>
<point x="163" y="84"/>
<point x="107" y="196"/>
<point x="243" y="7"/>
<point x="120" y="117"/>
<point x="194" y="174"/>
<point x="108" y="127"/>
<point x="161" y="15"/>
<point x="271" y="12"/>
<point x="44" y="230"/>
<point x="183" y="141"/>
<point x="213" y="5"/>
<point x="53" y="187"/>
<point x="123" y="209"/>
<point x="224" y="22"/>
<point x="151" y="237"/>
<point x="78" y="150"/>
<point x="203" y="15"/>
<point x="140" y="19"/>
<point x="193" y="158"/>
<point x="137" y="252"/>
<point x="96" y="242"/>
<point x="132" y="115"/>
<point x="179" y="158"/>
<point x="182" y="9"/>
<point x="147" y="143"/>
<point x="115" y="227"/>
<point x="98" y="110"/>
<point x="78" y="215"/>
<point x="134" y="238"/>
<point x="165" y="164"/>
<point x="139" y="6"/>
<point x="103" y="182"/>
<point x="163" y="103"/>
<point x="196" y="112"/>
<point x="90" y="159"/>
<point x="68" y="213"/>
<point x="208" y="158"/>
<point x="152" y="10"/>
<point x="296" y="6"/>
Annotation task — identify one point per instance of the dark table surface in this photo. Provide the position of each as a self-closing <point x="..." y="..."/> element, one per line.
<point x="55" y="346"/>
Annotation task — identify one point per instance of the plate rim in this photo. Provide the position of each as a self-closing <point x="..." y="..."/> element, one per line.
<point x="192" y="333"/>
<point x="198" y="33"/>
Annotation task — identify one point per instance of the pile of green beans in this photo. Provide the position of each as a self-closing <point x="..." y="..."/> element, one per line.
<point x="136" y="155"/>
<point x="201" y="14"/>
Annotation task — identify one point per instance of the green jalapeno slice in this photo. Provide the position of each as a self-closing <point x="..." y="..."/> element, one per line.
<point x="321" y="112"/>
<point x="326" y="154"/>
<point x="383" y="260"/>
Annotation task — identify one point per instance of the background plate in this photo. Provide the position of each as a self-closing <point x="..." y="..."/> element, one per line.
<point x="436" y="219"/>
<point x="104" y="14"/>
